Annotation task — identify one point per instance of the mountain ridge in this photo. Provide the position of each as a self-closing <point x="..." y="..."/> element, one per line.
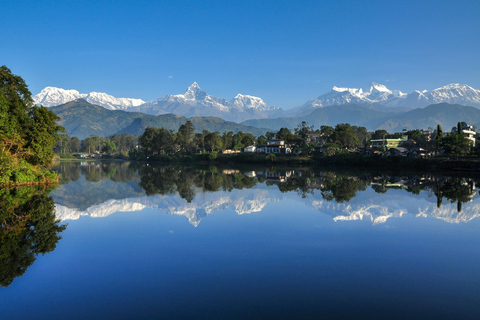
<point x="196" y="102"/>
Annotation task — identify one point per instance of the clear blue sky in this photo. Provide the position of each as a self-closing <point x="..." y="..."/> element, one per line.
<point x="286" y="52"/>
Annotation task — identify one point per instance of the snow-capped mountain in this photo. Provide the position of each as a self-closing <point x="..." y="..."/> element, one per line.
<point x="379" y="96"/>
<point x="373" y="94"/>
<point x="112" y="103"/>
<point x="51" y="96"/>
<point x="196" y="102"/>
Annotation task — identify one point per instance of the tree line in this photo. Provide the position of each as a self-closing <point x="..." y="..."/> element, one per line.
<point x="116" y="144"/>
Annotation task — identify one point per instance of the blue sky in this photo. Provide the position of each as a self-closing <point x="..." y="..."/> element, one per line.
<point x="286" y="52"/>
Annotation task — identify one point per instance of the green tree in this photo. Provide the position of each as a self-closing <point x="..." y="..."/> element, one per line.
<point x="327" y="133"/>
<point x="248" y="139"/>
<point x="262" y="140"/>
<point x="439" y="137"/>
<point x="456" y="144"/>
<point x="185" y="135"/>
<point x="213" y="141"/>
<point x="380" y="134"/>
<point x="227" y="140"/>
<point x="237" y="141"/>
<point x="344" y="136"/>
<point x="303" y="129"/>
<point x="74" y="144"/>
<point x="27" y="132"/>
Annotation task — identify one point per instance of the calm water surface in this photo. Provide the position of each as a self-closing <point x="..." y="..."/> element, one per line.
<point x="166" y="242"/>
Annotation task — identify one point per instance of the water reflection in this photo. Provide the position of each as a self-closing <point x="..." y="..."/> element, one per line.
<point x="28" y="228"/>
<point x="98" y="189"/>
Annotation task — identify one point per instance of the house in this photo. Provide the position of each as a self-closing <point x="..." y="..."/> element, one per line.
<point x="470" y="132"/>
<point x="277" y="146"/>
<point x="260" y="148"/>
<point x="389" y="143"/>
<point x="314" y="138"/>
<point x="250" y="149"/>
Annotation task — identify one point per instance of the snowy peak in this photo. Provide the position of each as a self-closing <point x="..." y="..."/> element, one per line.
<point x="51" y="96"/>
<point x="112" y="103"/>
<point x="455" y="93"/>
<point x="242" y="101"/>
<point x="195" y="93"/>
<point x="379" y="94"/>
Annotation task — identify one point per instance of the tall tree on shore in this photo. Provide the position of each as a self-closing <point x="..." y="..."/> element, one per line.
<point x="27" y="131"/>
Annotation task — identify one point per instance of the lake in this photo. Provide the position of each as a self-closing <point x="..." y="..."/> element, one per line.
<point x="134" y="241"/>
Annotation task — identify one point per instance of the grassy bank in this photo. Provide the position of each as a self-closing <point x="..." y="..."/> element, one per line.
<point x="14" y="173"/>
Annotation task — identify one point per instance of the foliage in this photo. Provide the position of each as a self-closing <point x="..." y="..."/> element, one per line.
<point x="271" y="157"/>
<point x="29" y="228"/>
<point x="456" y="144"/>
<point x="345" y="136"/>
<point x="27" y="133"/>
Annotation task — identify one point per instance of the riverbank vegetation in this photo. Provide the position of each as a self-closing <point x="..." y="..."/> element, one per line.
<point x="27" y="134"/>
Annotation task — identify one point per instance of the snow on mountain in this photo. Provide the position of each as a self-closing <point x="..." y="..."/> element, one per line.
<point x="375" y="93"/>
<point x="51" y="96"/>
<point x="249" y="102"/>
<point x="112" y="103"/>
<point x="455" y="93"/>
<point x="196" y="102"/>
<point x="379" y="95"/>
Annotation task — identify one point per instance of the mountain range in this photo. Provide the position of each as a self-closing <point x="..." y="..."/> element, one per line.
<point x="193" y="103"/>
<point x="196" y="102"/>
<point x="380" y="98"/>
<point x="375" y="107"/>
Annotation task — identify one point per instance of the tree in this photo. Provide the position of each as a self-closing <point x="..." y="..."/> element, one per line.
<point x="74" y="144"/>
<point x="237" y="141"/>
<point x="379" y="134"/>
<point x="439" y="137"/>
<point x="283" y="134"/>
<point x="213" y="141"/>
<point x="262" y="140"/>
<point x="362" y="134"/>
<point x="345" y="136"/>
<point x="248" y="139"/>
<point x="456" y="143"/>
<point x="227" y="139"/>
<point x="303" y="129"/>
<point x="27" y="132"/>
<point x="327" y="133"/>
<point x="270" y="135"/>
<point x="185" y="135"/>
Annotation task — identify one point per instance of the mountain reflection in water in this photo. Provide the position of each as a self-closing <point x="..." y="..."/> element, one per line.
<point x="98" y="189"/>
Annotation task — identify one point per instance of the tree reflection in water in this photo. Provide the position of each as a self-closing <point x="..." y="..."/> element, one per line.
<point x="28" y="228"/>
<point x="333" y="185"/>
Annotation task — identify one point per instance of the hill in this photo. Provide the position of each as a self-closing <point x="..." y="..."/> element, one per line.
<point x="348" y="113"/>
<point x="82" y="119"/>
<point x="447" y="115"/>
